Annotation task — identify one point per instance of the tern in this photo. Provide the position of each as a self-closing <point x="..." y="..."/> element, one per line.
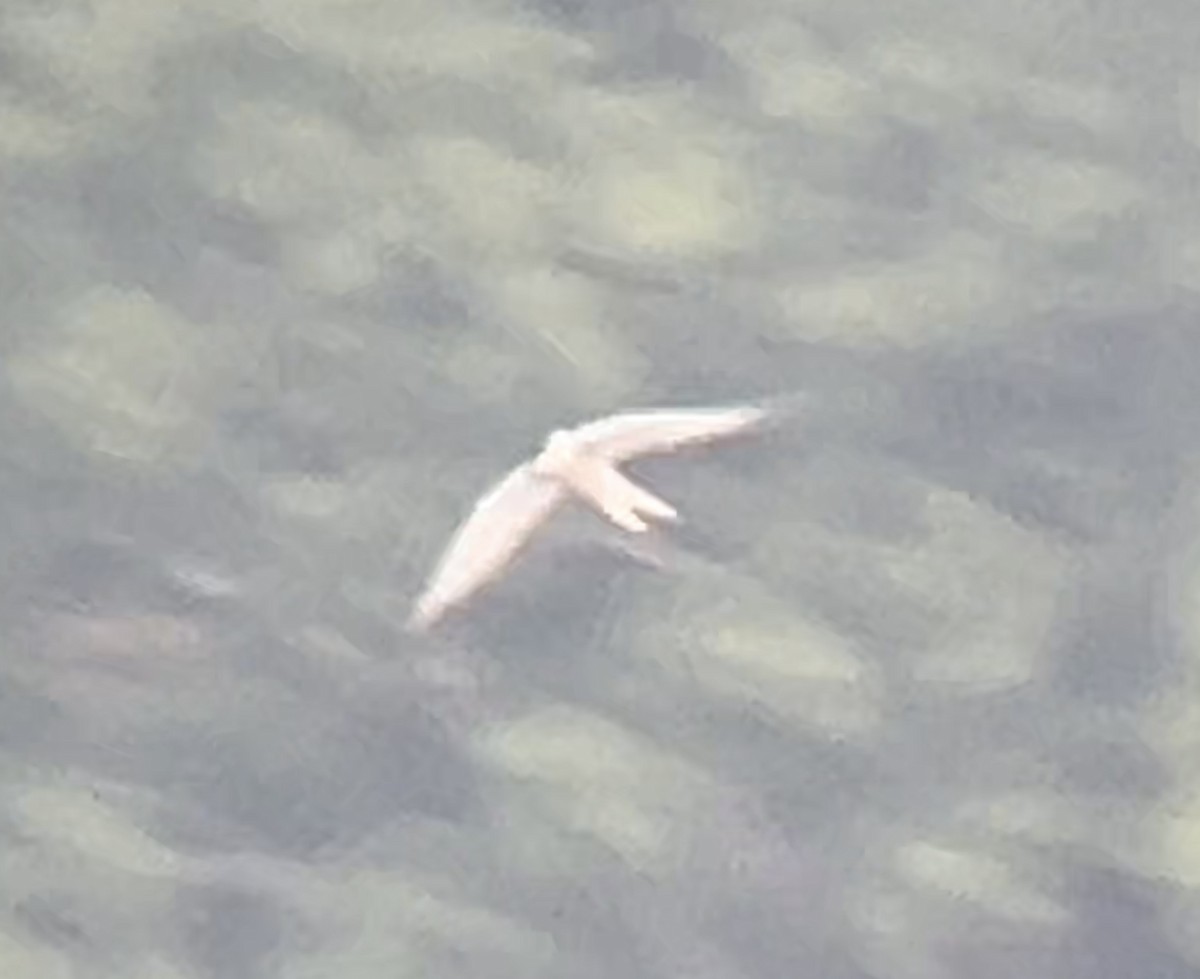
<point x="581" y="464"/>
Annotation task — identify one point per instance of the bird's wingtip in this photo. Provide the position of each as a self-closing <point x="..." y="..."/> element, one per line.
<point x="422" y="618"/>
<point x="779" y="408"/>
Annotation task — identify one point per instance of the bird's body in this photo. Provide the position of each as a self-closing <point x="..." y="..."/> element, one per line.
<point x="579" y="463"/>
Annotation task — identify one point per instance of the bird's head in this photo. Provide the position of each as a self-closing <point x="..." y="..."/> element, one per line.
<point x="559" y="451"/>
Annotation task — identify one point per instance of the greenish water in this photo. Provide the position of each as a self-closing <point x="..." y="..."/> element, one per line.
<point x="285" y="285"/>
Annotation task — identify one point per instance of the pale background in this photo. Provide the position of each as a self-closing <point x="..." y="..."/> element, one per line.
<point x="285" y="283"/>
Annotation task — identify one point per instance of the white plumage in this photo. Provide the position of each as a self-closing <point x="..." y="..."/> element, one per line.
<point x="580" y="463"/>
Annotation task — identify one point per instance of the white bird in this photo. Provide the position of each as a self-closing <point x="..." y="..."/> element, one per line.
<point x="580" y="462"/>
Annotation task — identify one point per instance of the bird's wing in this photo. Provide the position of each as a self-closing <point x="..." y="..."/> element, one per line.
<point x="487" y="541"/>
<point x="621" y="437"/>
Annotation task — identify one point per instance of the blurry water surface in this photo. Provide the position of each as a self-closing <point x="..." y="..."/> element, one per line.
<point x="285" y="284"/>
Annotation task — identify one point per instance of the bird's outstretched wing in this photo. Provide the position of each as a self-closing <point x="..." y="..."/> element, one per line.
<point x="487" y="541"/>
<point x="620" y="437"/>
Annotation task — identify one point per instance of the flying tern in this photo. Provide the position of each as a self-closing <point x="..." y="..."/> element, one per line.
<point x="579" y="463"/>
